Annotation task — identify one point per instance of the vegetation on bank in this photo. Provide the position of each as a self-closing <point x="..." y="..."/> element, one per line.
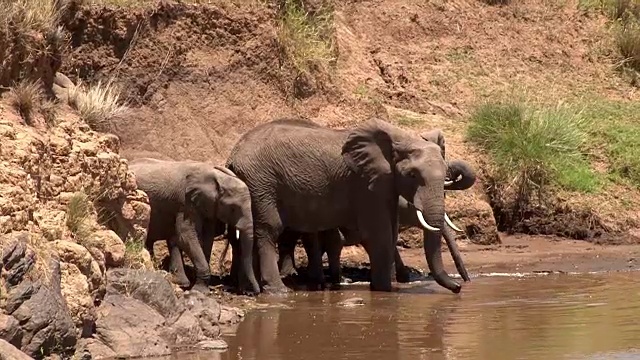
<point x="537" y="149"/>
<point x="307" y="35"/>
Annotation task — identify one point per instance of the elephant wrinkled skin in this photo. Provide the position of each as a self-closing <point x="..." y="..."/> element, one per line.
<point x="460" y="176"/>
<point x="310" y="178"/>
<point x="190" y="203"/>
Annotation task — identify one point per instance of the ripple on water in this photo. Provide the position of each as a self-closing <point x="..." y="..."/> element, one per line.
<point x="555" y="316"/>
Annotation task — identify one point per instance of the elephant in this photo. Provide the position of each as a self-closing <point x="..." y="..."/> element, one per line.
<point x="310" y="178"/>
<point x="460" y="176"/>
<point x="190" y="203"/>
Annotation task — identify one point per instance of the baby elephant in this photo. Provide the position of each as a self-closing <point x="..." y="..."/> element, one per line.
<point x="190" y="203"/>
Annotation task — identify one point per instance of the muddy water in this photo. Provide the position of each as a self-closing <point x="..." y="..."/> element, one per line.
<point x="594" y="316"/>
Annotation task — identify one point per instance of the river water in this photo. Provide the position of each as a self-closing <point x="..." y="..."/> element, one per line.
<point x="588" y="316"/>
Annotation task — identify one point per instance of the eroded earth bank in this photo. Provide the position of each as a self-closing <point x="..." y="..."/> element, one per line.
<point x="76" y="278"/>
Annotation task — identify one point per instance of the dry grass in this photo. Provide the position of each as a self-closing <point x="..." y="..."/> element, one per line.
<point x="97" y="104"/>
<point x="25" y="98"/>
<point x="134" y="256"/>
<point x="49" y="111"/>
<point x="306" y="39"/>
<point x="80" y="219"/>
<point x="29" y="15"/>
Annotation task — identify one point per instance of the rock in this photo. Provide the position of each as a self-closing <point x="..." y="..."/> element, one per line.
<point x="218" y="344"/>
<point x="79" y="256"/>
<point x="63" y="81"/>
<point x="230" y="315"/>
<point x="10" y="352"/>
<point x="92" y="349"/>
<point x="111" y="246"/>
<point x="206" y="310"/>
<point x="10" y="330"/>
<point x="17" y="259"/>
<point x="356" y="301"/>
<point x="130" y="328"/>
<point x="185" y="331"/>
<point x="75" y="289"/>
<point x="147" y="286"/>
<point x="42" y="312"/>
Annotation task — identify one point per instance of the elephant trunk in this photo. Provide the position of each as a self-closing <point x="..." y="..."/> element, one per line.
<point x="245" y="232"/>
<point x="460" y="174"/>
<point x="434" y="217"/>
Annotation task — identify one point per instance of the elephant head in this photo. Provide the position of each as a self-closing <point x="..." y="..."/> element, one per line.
<point x="396" y="163"/>
<point x="460" y="175"/>
<point x="220" y="196"/>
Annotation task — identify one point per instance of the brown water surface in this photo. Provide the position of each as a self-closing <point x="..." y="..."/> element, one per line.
<point x="589" y="316"/>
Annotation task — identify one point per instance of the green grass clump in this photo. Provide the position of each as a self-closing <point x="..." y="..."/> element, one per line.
<point x="534" y="147"/>
<point x="615" y="131"/>
<point x="306" y="39"/>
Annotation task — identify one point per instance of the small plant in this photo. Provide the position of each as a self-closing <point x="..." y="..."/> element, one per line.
<point x="133" y="253"/>
<point x="25" y="97"/>
<point x="79" y="217"/>
<point x="533" y="148"/>
<point x="307" y="39"/>
<point x="628" y="41"/>
<point x="97" y="104"/>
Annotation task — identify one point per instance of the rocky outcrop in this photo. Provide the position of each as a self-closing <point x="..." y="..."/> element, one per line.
<point x="34" y="300"/>
<point x="10" y="352"/>
<point x="142" y="316"/>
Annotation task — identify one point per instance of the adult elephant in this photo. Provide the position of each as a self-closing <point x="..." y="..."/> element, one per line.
<point x="190" y="203"/>
<point x="460" y="176"/>
<point x="311" y="178"/>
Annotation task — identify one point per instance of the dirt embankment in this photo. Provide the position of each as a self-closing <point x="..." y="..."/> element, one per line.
<point x="201" y="75"/>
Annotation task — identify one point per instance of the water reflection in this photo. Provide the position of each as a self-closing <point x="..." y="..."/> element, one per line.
<point x="554" y="317"/>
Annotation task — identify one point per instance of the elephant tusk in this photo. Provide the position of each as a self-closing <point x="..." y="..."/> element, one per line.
<point x="446" y="218"/>
<point x="238" y="233"/>
<point x="448" y="183"/>
<point x="424" y="223"/>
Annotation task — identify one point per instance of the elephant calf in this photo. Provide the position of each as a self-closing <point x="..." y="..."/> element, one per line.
<point x="190" y="203"/>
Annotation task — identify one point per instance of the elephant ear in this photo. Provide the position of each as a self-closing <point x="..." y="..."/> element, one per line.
<point x="201" y="193"/>
<point x="367" y="151"/>
<point x="435" y="136"/>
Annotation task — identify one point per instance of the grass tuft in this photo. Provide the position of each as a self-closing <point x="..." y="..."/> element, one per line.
<point x="97" y="104"/>
<point x="628" y="42"/>
<point x="79" y="218"/>
<point x="25" y="97"/>
<point x="133" y="253"/>
<point x="306" y="39"/>
<point x="32" y="15"/>
<point x="533" y="148"/>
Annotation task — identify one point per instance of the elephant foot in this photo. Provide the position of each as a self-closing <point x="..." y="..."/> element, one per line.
<point x="335" y="286"/>
<point x="276" y="290"/>
<point x="201" y="287"/>
<point x="403" y="276"/>
<point x="315" y="286"/>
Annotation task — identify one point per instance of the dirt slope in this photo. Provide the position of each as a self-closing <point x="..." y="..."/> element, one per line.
<point x="201" y="75"/>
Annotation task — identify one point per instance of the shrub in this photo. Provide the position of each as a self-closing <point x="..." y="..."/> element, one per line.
<point x="628" y="42"/>
<point x="533" y="148"/>
<point x="306" y="39"/>
<point x="25" y="97"/>
<point x="96" y="104"/>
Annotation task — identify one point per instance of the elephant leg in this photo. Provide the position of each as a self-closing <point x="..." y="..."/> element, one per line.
<point x="189" y="239"/>
<point x="402" y="272"/>
<point x="176" y="264"/>
<point x="314" y="256"/>
<point x="267" y="229"/>
<point x="332" y="244"/>
<point x="378" y="232"/>
<point x="208" y="233"/>
<point x="286" y="250"/>
<point x="236" y="257"/>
